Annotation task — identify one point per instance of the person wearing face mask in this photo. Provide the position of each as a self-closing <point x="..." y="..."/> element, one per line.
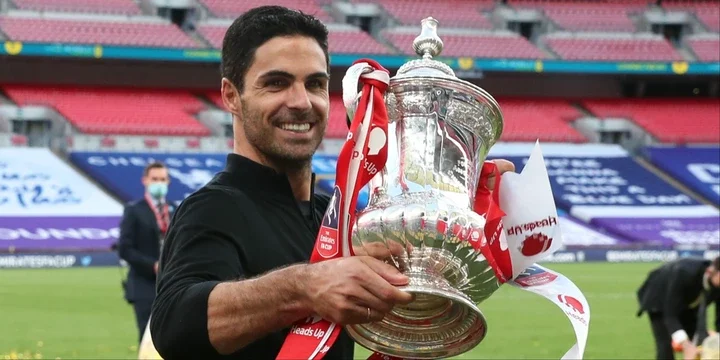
<point x="142" y="231"/>
<point x="676" y="297"/>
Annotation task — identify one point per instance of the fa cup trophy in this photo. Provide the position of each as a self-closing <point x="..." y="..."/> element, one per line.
<point x="420" y="209"/>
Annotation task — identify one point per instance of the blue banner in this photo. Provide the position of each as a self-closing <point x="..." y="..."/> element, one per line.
<point x="121" y="172"/>
<point x="98" y="51"/>
<point x="698" y="168"/>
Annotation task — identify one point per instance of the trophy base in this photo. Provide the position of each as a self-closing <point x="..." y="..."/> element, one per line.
<point x="441" y="322"/>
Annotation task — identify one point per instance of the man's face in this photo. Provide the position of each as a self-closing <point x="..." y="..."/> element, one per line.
<point x="713" y="276"/>
<point x="156" y="175"/>
<point x="283" y="108"/>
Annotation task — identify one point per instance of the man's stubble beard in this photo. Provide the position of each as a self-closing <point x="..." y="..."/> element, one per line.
<point x="260" y="136"/>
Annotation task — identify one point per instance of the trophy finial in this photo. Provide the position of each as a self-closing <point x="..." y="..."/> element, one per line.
<point x="428" y="43"/>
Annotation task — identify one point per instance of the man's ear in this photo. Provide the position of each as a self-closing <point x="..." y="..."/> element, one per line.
<point x="230" y="97"/>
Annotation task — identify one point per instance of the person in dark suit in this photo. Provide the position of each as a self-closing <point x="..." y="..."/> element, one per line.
<point x="675" y="296"/>
<point x="142" y="230"/>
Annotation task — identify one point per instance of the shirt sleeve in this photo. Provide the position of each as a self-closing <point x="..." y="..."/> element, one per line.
<point x="673" y="305"/>
<point x="199" y="252"/>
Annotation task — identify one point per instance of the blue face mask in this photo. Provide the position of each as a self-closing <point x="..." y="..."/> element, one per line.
<point x="158" y="190"/>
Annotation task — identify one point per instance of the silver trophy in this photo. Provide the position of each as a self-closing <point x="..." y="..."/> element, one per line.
<point x="420" y="215"/>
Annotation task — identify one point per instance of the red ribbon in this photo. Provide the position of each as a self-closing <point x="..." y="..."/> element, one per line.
<point x="359" y="161"/>
<point x="163" y="220"/>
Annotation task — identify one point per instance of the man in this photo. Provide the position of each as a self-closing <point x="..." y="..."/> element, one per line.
<point x="235" y="273"/>
<point x="676" y="295"/>
<point x="142" y="228"/>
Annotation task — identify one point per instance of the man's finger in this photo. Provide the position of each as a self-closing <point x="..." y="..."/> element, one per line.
<point x="503" y="167"/>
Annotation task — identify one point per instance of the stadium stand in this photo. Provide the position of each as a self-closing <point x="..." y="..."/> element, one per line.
<point x="342" y="38"/>
<point x="122" y="7"/>
<point x="497" y="44"/>
<point x="670" y="121"/>
<point x="615" y="47"/>
<point x="82" y="29"/>
<point x="706" y="47"/>
<point x="545" y="119"/>
<point x="233" y="8"/>
<point x="450" y="13"/>
<point x="587" y="15"/>
<point x="118" y="111"/>
<point x="707" y="12"/>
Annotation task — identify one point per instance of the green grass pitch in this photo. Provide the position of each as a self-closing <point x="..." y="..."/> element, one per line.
<point x="79" y="313"/>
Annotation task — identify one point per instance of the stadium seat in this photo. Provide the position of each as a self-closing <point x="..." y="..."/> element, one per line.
<point x="118" y="111"/>
<point x="449" y="13"/>
<point x="497" y="44"/>
<point x="668" y="120"/>
<point x="705" y="49"/>
<point x="611" y="47"/>
<point x="124" y="7"/>
<point x="587" y="15"/>
<point x="539" y="119"/>
<point x="233" y="8"/>
<point x="342" y="39"/>
<point x="107" y="32"/>
<point x="337" y="124"/>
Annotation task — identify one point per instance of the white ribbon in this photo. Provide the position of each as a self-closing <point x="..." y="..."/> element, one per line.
<point x="532" y="231"/>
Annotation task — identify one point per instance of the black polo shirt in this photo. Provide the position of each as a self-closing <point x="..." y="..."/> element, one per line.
<point x="245" y="222"/>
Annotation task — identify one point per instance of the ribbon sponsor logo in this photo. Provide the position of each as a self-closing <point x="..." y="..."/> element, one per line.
<point x="327" y="244"/>
<point x="534" y="276"/>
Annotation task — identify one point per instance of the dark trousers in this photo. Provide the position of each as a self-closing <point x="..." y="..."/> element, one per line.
<point x="663" y="339"/>
<point x="142" y="315"/>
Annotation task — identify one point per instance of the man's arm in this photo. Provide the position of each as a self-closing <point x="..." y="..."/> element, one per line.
<point x="127" y="248"/>
<point x="673" y="305"/>
<point x="203" y="308"/>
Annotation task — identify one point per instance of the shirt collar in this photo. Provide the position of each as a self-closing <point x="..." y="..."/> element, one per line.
<point x="248" y="174"/>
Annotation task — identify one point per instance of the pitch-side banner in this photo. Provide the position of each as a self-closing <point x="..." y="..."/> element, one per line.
<point x="121" y="172"/>
<point x="602" y="185"/>
<point x="695" y="167"/>
<point x="22" y="234"/>
<point x="45" y="205"/>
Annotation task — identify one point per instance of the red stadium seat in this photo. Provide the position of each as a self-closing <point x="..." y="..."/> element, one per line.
<point x="619" y="47"/>
<point x="706" y="49"/>
<point x="233" y="8"/>
<point x="118" y="111"/>
<point x="120" y="33"/>
<point x="668" y="120"/>
<point x="124" y="7"/>
<point x="449" y="13"/>
<point x="587" y="15"/>
<point x="492" y="45"/>
<point x="341" y="39"/>
<point x="539" y="119"/>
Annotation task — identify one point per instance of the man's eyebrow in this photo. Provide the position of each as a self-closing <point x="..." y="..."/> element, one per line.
<point x="276" y="73"/>
<point x="319" y="75"/>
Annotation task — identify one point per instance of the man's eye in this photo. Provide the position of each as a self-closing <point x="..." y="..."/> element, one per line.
<point x="276" y="83"/>
<point x="316" y="84"/>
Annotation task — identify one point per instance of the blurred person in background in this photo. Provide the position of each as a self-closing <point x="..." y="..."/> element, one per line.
<point x="142" y="230"/>
<point x="676" y="296"/>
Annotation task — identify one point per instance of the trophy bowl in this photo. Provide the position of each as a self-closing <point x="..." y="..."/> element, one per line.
<point x="420" y="215"/>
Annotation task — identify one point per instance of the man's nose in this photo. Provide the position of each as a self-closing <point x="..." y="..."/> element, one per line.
<point x="298" y="98"/>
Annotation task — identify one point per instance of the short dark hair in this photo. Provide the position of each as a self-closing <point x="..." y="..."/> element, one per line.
<point x="153" y="165"/>
<point x="258" y="25"/>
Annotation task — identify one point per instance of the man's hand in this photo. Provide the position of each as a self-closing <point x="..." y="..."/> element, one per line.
<point x="690" y="351"/>
<point x="155" y="267"/>
<point x="342" y="290"/>
<point x="503" y="167"/>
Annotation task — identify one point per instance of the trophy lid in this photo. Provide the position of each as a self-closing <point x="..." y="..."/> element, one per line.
<point x="428" y="45"/>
